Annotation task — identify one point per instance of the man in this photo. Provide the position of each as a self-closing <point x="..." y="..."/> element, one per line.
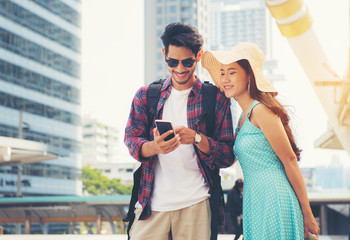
<point x="235" y="207"/>
<point x="174" y="192"/>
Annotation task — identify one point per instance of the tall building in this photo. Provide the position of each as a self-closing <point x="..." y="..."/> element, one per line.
<point x="158" y="14"/>
<point x="99" y="148"/>
<point x="237" y="21"/>
<point x="100" y="151"/>
<point x="99" y="142"/>
<point x="40" y="85"/>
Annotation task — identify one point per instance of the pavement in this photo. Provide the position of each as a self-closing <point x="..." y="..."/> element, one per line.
<point x="116" y="237"/>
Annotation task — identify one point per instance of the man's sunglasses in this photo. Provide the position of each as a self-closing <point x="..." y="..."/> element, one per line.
<point x="187" y="63"/>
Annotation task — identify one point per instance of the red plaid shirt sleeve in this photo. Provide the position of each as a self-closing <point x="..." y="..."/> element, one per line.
<point x="137" y="128"/>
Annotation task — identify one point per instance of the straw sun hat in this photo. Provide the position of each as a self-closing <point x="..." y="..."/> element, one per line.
<point x="212" y="60"/>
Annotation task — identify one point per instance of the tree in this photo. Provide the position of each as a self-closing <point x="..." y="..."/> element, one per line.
<point x="115" y="187"/>
<point x="95" y="183"/>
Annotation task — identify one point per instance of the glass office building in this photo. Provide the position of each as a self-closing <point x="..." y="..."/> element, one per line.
<point x="40" y="86"/>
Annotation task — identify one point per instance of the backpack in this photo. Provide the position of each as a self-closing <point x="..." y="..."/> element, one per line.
<point x="209" y="93"/>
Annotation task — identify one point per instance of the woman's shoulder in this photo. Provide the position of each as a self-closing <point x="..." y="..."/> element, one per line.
<point x="262" y="113"/>
<point x="260" y="108"/>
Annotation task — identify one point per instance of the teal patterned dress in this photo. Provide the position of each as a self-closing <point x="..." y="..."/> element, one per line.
<point x="271" y="209"/>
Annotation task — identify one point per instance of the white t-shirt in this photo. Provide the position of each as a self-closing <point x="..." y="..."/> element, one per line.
<point x="178" y="181"/>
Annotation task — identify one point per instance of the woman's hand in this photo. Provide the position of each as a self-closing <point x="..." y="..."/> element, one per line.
<point x="310" y="225"/>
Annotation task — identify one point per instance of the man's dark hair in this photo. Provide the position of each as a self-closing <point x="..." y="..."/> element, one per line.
<point x="182" y="35"/>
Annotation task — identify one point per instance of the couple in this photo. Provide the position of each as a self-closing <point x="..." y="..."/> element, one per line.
<point x="176" y="180"/>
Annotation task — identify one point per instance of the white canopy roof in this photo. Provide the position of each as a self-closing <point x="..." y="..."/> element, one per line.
<point x="20" y="151"/>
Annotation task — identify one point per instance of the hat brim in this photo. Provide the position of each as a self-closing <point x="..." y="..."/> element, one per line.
<point x="212" y="60"/>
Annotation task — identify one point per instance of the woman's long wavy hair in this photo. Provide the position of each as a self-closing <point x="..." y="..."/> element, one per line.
<point x="269" y="100"/>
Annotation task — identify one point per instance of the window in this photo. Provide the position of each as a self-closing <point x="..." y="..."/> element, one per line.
<point x="23" y="77"/>
<point x="19" y="103"/>
<point x="39" y="25"/>
<point x="62" y="10"/>
<point x="160" y="56"/>
<point x="37" y="53"/>
<point x="172" y="9"/>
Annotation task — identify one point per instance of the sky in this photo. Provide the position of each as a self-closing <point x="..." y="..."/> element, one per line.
<point x="113" y="69"/>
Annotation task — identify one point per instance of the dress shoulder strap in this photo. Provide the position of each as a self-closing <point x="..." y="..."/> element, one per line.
<point x="252" y="106"/>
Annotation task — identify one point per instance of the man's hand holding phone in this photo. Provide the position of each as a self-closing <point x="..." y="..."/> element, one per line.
<point x="165" y="138"/>
<point x="164" y="126"/>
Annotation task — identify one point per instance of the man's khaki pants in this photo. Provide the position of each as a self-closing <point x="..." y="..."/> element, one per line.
<point x="190" y="223"/>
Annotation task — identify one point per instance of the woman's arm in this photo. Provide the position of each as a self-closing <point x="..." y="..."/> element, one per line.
<point x="273" y="129"/>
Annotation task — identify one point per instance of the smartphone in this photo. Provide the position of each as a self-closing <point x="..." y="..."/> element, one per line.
<point x="164" y="126"/>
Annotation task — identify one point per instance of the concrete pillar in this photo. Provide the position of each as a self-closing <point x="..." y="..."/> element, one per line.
<point x="19" y="180"/>
<point x="20" y="126"/>
<point x="99" y="222"/>
<point x="114" y="227"/>
<point x="43" y="228"/>
<point x="323" y="219"/>
<point x="27" y="222"/>
<point x="122" y="227"/>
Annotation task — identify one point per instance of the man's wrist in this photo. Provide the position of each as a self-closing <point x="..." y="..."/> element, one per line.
<point x="152" y="149"/>
<point x="148" y="149"/>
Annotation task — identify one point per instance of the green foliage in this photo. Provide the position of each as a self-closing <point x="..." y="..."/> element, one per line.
<point x="117" y="188"/>
<point x="95" y="183"/>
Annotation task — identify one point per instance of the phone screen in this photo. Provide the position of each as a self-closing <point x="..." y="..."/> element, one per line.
<point x="164" y="126"/>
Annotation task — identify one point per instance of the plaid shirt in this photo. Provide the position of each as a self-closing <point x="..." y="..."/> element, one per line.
<point x="136" y="132"/>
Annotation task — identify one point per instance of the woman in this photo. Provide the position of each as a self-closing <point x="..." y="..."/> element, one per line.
<point x="275" y="203"/>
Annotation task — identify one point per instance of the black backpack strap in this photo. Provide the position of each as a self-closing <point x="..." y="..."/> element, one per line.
<point x="130" y="216"/>
<point x="209" y="92"/>
<point x="216" y="199"/>
<point x="153" y="95"/>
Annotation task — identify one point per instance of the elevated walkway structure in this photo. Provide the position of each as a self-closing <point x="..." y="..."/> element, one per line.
<point x="295" y="23"/>
<point x="119" y="237"/>
<point x="98" y="209"/>
<point x="64" y="209"/>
